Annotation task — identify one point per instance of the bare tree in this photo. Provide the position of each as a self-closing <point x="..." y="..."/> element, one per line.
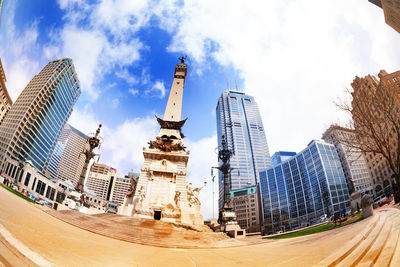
<point x="375" y="112"/>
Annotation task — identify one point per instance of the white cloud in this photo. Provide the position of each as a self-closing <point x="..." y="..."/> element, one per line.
<point x="133" y="91"/>
<point x="125" y="75"/>
<point x="122" y="147"/>
<point x="202" y="158"/>
<point x="18" y="51"/>
<point x="122" y="144"/>
<point x="90" y="38"/>
<point x="122" y="16"/>
<point x="294" y="57"/>
<point x="157" y="89"/>
<point x="85" y="120"/>
<point x="115" y="103"/>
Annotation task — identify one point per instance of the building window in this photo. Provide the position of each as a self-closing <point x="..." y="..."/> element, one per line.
<point x="28" y="176"/>
<point x="33" y="185"/>
<point x="20" y="175"/>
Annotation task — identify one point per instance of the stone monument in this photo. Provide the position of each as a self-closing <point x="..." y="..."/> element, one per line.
<point x="161" y="191"/>
<point x="355" y="202"/>
<point x="366" y="205"/>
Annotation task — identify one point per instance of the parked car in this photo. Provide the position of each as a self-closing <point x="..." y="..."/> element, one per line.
<point x="382" y="200"/>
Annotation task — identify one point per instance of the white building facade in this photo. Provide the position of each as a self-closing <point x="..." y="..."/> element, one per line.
<point x="107" y="183"/>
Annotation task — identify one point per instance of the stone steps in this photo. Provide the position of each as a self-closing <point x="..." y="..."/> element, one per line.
<point x="358" y="253"/>
<point x="395" y="260"/>
<point x="377" y="245"/>
<point x="347" y="248"/>
<point x="388" y="251"/>
<point x="142" y="231"/>
<point x="371" y="256"/>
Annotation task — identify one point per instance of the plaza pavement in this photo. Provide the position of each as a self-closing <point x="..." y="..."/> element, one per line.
<point x="47" y="240"/>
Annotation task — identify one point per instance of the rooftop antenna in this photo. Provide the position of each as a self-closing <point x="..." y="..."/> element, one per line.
<point x="227" y="85"/>
<point x="236" y="86"/>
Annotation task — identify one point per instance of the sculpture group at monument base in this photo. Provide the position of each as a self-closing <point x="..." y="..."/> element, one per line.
<point x="185" y="214"/>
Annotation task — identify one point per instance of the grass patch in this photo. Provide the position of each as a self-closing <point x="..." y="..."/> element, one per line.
<point x="318" y="229"/>
<point x="18" y="194"/>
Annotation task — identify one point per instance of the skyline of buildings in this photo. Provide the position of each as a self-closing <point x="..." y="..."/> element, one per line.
<point x="239" y="110"/>
<point x="52" y="147"/>
<point x="67" y="160"/>
<point x="239" y="121"/>
<point x="32" y="126"/>
<point x="298" y="191"/>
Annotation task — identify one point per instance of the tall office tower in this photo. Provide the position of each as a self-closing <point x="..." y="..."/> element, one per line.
<point x="32" y="126"/>
<point x="298" y="191"/>
<point x="354" y="165"/>
<point x="239" y="120"/>
<point x="280" y="156"/>
<point x="67" y="160"/>
<point x="379" y="168"/>
<point x="5" y="100"/>
<point x="391" y="10"/>
<point x="107" y="184"/>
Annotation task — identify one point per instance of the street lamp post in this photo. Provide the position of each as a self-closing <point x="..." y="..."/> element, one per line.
<point x="227" y="216"/>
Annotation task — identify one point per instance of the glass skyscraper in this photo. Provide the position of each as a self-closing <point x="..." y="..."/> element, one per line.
<point x="239" y="120"/>
<point x="280" y="156"/>
<point x="298" y="191"/>
<point x="32" y="126"/>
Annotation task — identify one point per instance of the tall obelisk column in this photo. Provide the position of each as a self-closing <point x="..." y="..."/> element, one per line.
<point x="174" y="104"/>
<point x="162" y="191"/>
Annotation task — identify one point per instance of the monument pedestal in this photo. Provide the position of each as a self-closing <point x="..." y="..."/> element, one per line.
<point x="233" y="230"/>
<point x="229" y="224"/>
<point x="126" y="210"/>
<point x="162" y="191"/>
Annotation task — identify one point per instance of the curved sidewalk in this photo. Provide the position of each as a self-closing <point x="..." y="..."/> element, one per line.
<point x="65" y="245"/>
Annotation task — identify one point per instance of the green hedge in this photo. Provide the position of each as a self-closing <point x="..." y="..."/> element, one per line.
<point x="18" y="193"/>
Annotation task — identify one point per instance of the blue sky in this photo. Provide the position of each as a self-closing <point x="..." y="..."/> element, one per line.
<point x="295" y="57"/>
